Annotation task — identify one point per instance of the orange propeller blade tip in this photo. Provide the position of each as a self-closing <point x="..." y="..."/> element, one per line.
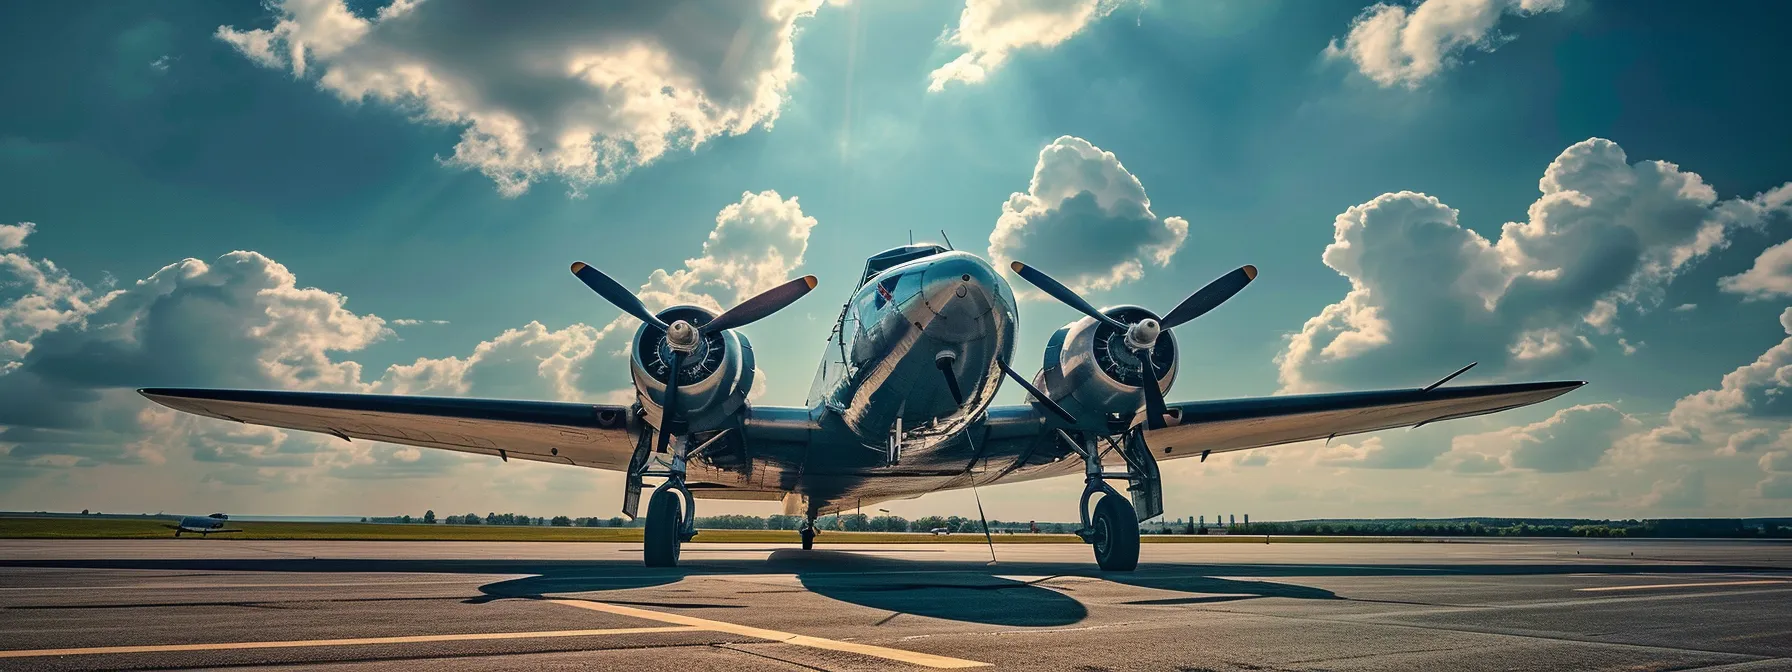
<point x="1250" y="272"/>
<point x="578" y="266"/>
<point x="1017" y="266"/>
<point x="810" y="281"/>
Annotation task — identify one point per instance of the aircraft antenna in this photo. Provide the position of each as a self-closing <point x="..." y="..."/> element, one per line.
<point x="948" y="240"/>
<point x="980" y="517"/>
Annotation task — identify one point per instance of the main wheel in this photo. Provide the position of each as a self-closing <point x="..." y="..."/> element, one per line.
<point x="664" y="521"/>
<point x="1116" y="534"/>
<point x="808" y="538"/>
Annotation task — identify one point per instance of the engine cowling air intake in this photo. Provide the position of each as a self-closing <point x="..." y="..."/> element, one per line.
<point x="1090" y="371"/>
<point x="1138" y="332"/>
<point x="684" y="340"/>
<point x="713" y="377"/>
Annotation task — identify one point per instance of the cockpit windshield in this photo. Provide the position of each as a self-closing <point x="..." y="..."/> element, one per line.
<point x="886" y="259"/>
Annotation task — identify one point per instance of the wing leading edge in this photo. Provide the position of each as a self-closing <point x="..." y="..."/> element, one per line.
<point x="1199" y="427"/>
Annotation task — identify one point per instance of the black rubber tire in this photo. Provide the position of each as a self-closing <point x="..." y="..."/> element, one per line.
<point x="1116" y="534"/>
<point x="664" y="522"/>
<point x="808" y="538"/>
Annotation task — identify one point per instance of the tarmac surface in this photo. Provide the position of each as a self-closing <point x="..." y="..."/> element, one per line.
<point x="1463" y="605"/>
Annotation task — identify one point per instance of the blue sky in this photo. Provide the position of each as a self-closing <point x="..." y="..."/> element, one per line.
<point x="149" y="135"/>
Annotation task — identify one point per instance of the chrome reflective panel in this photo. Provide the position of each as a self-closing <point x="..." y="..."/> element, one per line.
<point x="1090" y="372"/>
<point x="713" y="380"/>
<point x="881" y="364"/>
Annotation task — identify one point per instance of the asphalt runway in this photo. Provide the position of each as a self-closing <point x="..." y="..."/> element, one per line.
<point x="1504" y="605"/>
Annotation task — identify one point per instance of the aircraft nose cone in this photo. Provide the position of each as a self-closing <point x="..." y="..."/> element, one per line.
<point x="959" y="292"/>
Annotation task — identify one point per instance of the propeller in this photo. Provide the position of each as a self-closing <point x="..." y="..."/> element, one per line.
<point x="1141" y="336"/>
<point x="682" y="337"/>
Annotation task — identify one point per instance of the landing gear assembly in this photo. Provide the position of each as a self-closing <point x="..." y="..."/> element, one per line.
<point x="668" y="524"/>
<point x="808" y="533"/>
<point x="671" y="511"/>
<point x="1112" y="525"/>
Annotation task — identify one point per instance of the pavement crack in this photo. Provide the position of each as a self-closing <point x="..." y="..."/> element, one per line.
<point x="741" y="648"/>
<point x="1028" y="631"/>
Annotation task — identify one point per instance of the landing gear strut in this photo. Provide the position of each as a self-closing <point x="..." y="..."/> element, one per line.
<point x="1112" y="526"/>
<point x="808" y="533"/>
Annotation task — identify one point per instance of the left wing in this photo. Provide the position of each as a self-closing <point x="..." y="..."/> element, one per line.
<point x="587" y="435"/>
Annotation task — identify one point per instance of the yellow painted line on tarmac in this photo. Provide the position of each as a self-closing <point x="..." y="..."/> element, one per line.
<point x="308" y="643"/>
<point x="213" y="586"/>
<point x="1680" y="585"/>
<point x="912" y="657"/>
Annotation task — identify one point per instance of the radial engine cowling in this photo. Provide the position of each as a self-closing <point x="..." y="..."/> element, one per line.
<point x="713" y="380"/>
<point x="1091" y="373"/>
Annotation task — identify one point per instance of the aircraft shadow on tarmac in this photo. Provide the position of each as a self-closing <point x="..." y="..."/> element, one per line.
<point x="1006" y="593"/>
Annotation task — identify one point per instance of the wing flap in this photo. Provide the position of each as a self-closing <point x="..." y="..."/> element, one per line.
<point x="1239" y="424"/>
<point x="587" y="435"/>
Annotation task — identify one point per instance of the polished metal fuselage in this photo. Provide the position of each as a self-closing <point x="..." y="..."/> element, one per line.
<point x="880" y="374"/>
<point x="880" y="382"/>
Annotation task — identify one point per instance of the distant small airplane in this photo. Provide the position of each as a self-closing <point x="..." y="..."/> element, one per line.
<point x="204" y="525"/>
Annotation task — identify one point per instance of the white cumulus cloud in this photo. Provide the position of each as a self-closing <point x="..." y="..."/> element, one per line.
<point x="1397" y="45"/>
<point x="991" y="30"/>
<point x="35" y="295"/>
<point x="72" y="355"/>
<point x="238" y="321"/>
<point x="579" y="91"/>
<point x="12" y="236"/>
<point x="1747" y="406"/>
<point x="1571" y="439"/>
<point x="1429" y="294"/>
<point x="757" y="243"/>
<point x="1769" y="278"/>
<point x="1085" y="220"/>
<point x="533" y="362"/>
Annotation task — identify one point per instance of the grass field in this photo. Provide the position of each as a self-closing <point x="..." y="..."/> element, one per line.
<point x="114" y="528"/>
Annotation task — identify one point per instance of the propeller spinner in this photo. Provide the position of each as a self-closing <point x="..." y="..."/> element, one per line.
<point x="683" y="337"/>
<point x="1141" y="336"/>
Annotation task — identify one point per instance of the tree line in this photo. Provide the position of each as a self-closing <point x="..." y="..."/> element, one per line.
<point x="1480" y="527"/>
<point x="1731" y="528"/>
<point x="852" y="522"/>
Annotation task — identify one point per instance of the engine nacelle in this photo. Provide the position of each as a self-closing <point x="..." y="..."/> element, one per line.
<point x="713" y="381"/>
<point x="1090" y="372"/>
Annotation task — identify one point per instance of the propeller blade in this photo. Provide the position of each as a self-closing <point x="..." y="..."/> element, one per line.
<point x="615" y="293"/>
<point x="669" y="410"/>
<point x="1154" y="395"/>
<point x="1211" y="296"/>
<point x="766" y="303"/>
<point x="1040" y="396"/>
<point x="1060" y="292"/>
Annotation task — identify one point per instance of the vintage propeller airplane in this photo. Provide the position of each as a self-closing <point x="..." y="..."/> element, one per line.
<point x="901" y="406"/>
<point x="202" y="525"/>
